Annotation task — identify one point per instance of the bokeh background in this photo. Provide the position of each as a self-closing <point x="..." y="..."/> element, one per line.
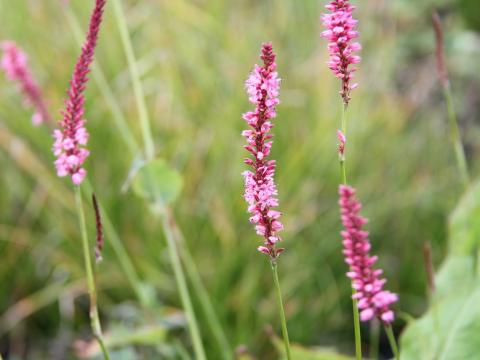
<point x="194" y="56"/>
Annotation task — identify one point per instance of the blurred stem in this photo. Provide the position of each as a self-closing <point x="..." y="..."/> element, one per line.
<point x="94" y="318"/>
<point x="99" y="77"/>
<point x="455" y="135"/>
<point x="135" y="77"/>
<point x="374" y="338"/>
<point x="343" y="157"/>
<point x="356" y="326"/>
<point x="200" y="289"/>
<point x="281" y="309"/>
<point x="183" y="289"/>
<point x="121" y="253"/>
<point x="393" y="342"/>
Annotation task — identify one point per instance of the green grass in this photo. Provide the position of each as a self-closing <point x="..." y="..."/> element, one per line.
<point x="193" y="57"/>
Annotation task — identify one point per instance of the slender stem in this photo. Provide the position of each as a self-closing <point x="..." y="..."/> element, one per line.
<point x="374" y="338"/>
<point x="455" y="135"/>
<point x="135" y="77"/>
<point x="356" y="327"/>
<point x="149" y="154"/>
<point x="343" y="169"/>
<point x="200" y="290"/>
<point x="94" y="318"/>
<point x="281" y="309"/>
<point x="183" y="290"/>
<point x="356" y="316"/>
<point x="393" y="342"/>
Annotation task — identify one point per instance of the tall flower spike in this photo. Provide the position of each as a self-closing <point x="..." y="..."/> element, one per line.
<point x="373" y="301"/>
<point x="260" y="190"/>
<point x="15" y="65"/>
<point x="340" y="32"/>
<point x="70" y="141"/>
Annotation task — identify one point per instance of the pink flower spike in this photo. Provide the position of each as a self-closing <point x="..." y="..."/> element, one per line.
<point x="70" y="141"/>
<point x="15" y="65"/>
<point x="373" y="301"/>
<point x="340" y="32"/>
<point x="261" y="193"/>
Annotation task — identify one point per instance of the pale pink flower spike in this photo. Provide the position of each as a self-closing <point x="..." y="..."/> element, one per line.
<point x="70" y="141"/>
<point x="373" y="301"/>
<point x="15" y="65"/>
<point x="260" y="190"/>
<point x="340" y="32"/>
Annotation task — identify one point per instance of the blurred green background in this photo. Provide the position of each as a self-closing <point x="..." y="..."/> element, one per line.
<point x="194" y="56"/>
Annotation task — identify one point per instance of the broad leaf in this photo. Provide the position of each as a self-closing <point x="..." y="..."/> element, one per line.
<point x="464" y="226"/>
<point x="450" y="329"/>
<point x="157" y="182"/>
<point x="303" y="353"/>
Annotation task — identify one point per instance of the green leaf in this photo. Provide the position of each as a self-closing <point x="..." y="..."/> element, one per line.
<point x="303" y="353"/>
<point x="157" y="182"/>
<point x="464" y="227"/>
<point x="450" y="329"/>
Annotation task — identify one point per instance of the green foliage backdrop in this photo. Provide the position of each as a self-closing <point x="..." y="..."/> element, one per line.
<point x="193" y="58"/>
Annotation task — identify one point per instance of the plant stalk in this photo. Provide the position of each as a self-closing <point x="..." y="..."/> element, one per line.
<point x="343" y="171"/>
<point x="183" y="289"/>
<point x="200" y="290"/>
<point x="374" y="338"/>
<point x="94" y="317"/>
<point x="455" y="136"/>
<point x="392" y="341"/>
<point x="281" y="309"/>
<point x="135" y="77"/>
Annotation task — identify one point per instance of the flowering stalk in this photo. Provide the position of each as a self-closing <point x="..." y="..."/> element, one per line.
<point x="340" y="31"/>
<point x="260" y="190"/>
<point x="70" y="142"/>
<point x="69" y="147"/>
<point x="15" y="65"/>
<point x="447" y="94"/>
<point x="373" y="301"/>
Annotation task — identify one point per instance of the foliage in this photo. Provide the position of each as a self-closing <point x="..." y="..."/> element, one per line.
<point x="450" y="328"/>
<point x="193" y="59"/>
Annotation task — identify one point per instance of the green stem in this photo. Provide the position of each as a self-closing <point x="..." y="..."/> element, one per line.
<point x="283" y="320"/>
<point x="183" y="289"/>
<point x="343" y="169"/>
<point x="455" y="135"/>
<point x="374" y="338"/>
<point x="356" y="327"/>
<point x="135" y="77"/>
<point x="200" y="290"/>
<point x="393" y="342"/>
<point x="94" y="318"/>
<point x="356" y="316"/>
